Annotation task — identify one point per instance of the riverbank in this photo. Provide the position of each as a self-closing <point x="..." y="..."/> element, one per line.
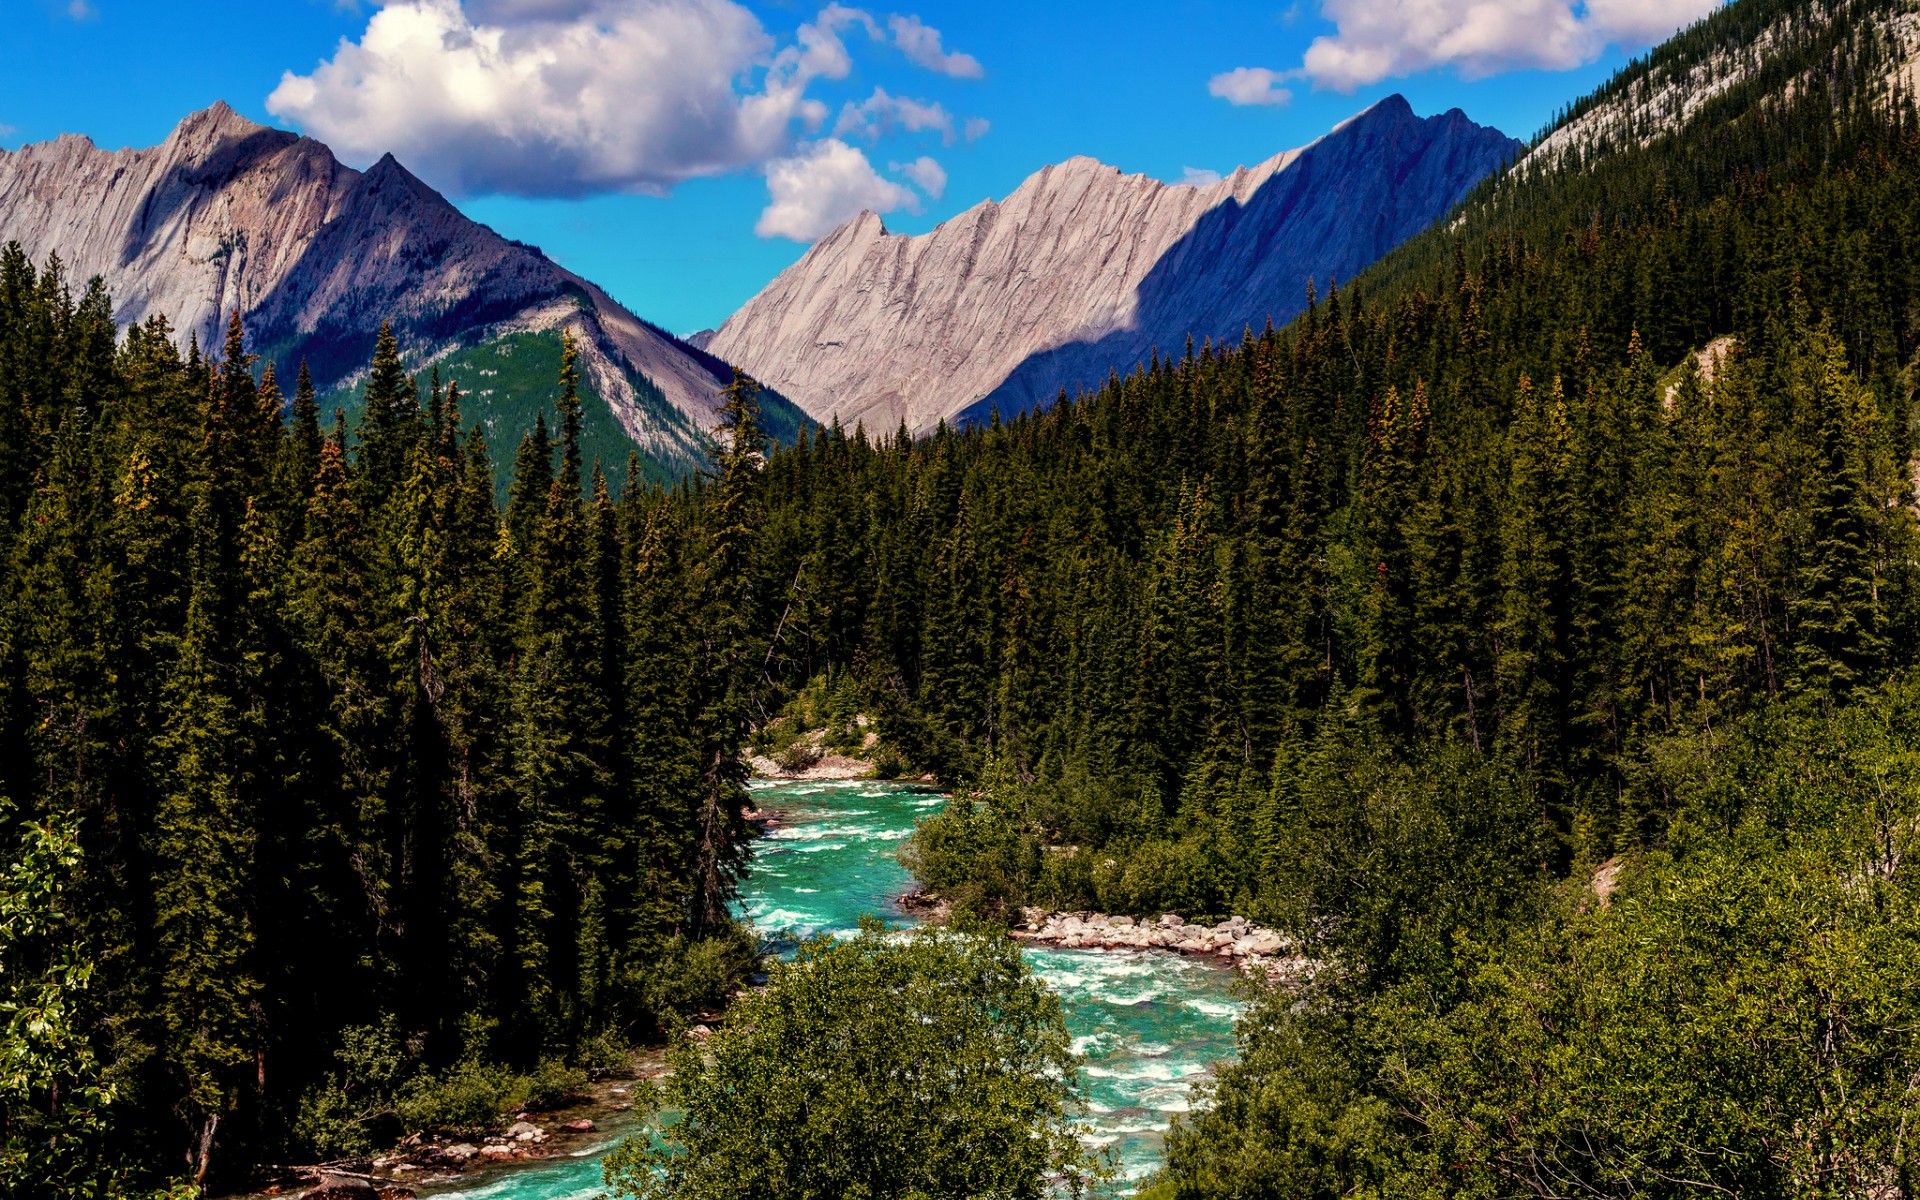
<point x="426" y="1165"/>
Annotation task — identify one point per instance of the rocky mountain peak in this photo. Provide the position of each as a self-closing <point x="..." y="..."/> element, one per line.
<point x="1083" y="269"/>
<point x="230" y="215"/>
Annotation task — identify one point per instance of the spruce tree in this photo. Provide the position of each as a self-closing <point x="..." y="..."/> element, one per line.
<point x="733" y="516"/>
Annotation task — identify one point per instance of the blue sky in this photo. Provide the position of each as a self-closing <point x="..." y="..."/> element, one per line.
<point x="682" y="152"/>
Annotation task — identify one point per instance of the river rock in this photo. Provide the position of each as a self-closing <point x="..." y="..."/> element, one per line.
<point x="456" y="1155"/>
<point x="343" y="1187"/>
<point x="526" y="1131"/>
<point x="581" y="1126"/>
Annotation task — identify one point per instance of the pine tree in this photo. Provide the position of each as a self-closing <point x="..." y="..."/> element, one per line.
<point x="1837" y="644"/>
<point x="733" y="515"/>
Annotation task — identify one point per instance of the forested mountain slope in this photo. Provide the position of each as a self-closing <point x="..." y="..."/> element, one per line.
<point x="228" y="216"/>
<point x="1083" y="271"/>
<point x="1394" y="626"/>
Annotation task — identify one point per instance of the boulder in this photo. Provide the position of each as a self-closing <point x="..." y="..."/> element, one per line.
<point x="581" y="1126"/>
<point x="1121" y="922"/>
<point x="456" y="1155"/>
<point x="343" y="1187"/>
<point x="525" y="1131"/>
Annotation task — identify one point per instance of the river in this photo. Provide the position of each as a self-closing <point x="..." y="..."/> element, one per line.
<point x="1146" y="1022"/>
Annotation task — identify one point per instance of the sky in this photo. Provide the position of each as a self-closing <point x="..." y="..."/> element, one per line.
<point x="680" y="153"/>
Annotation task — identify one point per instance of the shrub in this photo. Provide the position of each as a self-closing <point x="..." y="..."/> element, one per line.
<point x="934" y="1064"/>
<point x="689" y="977"/>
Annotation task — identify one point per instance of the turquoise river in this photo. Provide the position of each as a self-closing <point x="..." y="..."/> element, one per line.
<point x="1147" y="1023"/>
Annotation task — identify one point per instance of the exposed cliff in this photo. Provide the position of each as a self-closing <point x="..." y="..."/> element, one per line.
<point x="1083" y="270"/>
<point x="227" y="214"/>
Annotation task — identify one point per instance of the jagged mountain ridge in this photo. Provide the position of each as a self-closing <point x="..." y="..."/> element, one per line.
<point x="227" y="215"/>
<point x="1083" y="270"/>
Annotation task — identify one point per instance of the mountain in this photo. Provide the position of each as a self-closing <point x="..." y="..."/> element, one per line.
<point x="1084" y="270"/>
<point x="227" y="215"/>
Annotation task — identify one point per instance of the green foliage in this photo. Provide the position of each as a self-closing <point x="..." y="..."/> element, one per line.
<point x="514" y="379"/>
<point x="930" y="1064"/>
<point x="688" y="977"/>
<point x="1738" y="1017"/>
<point x="361" y="764"/>
<point x="382" y="1092"/>
<point x="975" y="855"/>
<point x="54" y="1091"/>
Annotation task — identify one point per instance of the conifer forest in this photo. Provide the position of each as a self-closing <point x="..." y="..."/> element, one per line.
<point x="1529" y="630"/>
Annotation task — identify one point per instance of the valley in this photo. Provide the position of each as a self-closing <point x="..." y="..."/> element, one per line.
<point x="1460" y="738"/>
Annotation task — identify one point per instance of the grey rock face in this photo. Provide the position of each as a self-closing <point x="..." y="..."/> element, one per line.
<point x="1083" y="270"/>
<point x="229" y="215"/>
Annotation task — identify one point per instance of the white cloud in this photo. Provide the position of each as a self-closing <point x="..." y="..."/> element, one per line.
<point x="824" y="185"/>
<point x="572" y="97"/>
<point x="1199" y="177"/>
<point x="1249" y="85"/>
<point x="882" y="113"/>
<point x="925" y="174"/>
<point x="920" y="42"/>
<point x="81" y="10"/>
<point x="976" y="128"/>
<point x="1378" y="39"/>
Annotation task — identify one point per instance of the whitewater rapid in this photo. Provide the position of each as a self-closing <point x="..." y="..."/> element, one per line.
<point x="1147" y="1022"/>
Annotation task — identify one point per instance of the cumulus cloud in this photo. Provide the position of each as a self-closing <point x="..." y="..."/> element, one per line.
<point x="921" y="44"/>
<point x="573" y="97"/>
<point x="1198" y="177"/>
<point x="977" y="128"/>
<point x="925" y="174"/>
<point x="1249" y="85"/>
<point x="821" y="187"/>
<point x="881" y="114"/>
<point x="1379" y="39"/>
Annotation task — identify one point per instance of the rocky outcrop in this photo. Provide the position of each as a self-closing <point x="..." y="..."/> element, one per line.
<point x="1083" y="270"/>
<point x="1679" y="81"/>
<point x="230" y="215"/>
